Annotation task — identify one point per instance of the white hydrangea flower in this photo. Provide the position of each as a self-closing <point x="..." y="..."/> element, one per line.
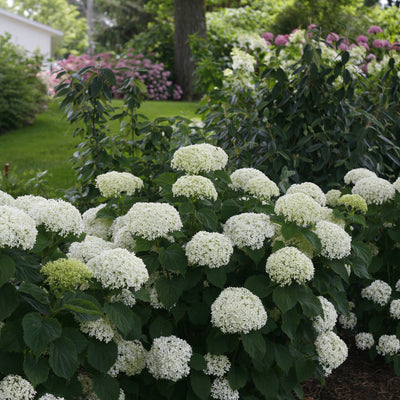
<point x="153" y="220"/>
<point x="261" y="187"/>
<point x="17" y="228"/>
<point x="388" y="344"/>
<point x="251" y="41"/>
<point x="327" y="215"/>
<point x="57" y="216"/>
<point x="310" y="189"/>
<point x="113" y="184"/>
<point x="289" y="264"/>
<point x="14" y="387"/>
<point x="209" y="249"/>
<point x="242" y="176"/>
<point x="237" y="310"/>
<point x="298" y="208"/>
<point x="357" y="174"/>
<point x="242" y="60"/>
<point x="396" y="185"/>
<point x="220" y="390"/>
<point x="378" y="291"/>
<point x="374" y="190"/>
<point x="126" y="297"/>
<point x="364" y="340"/>
<point x="100" y="329"/>
<point x="199" y="158"/>
<point x="335" y="241"/>
<point x="124" y="239"/>
<point x="249" y="230"/>
<point x="397" y="287"/>
<point x="395" y="309"/>
<point x="131" y="358"/>
<point x="217" y="364"/>
<point x="332" y="197"/>
<point x="90" y="247"/>
<point x="328" y="321"/>
<point x="195" y="186"/>
<point x="169" y="358"/>
<point x="348" y="322"/>
<point x="332" y="351"/>
<point x="49" y="396"/>
<point x="6" y="199"/>
<point x="119" y="268"/>
<point x="95" y="226"/>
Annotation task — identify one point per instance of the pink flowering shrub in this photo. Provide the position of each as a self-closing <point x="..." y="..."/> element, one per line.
<point x="156" y="79"/>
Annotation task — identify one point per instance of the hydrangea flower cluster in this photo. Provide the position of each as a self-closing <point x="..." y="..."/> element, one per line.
<point x="237" y="310"/>
<point x="388" y="344"/>
<point x="374" y="190"/>
<point x="90" y="247"/>
<point x="328" y="321"/>
<point x="95" y="226"/>
<point x="298" y="208"/>
<point x="249" y="230"/>
<point x="68" y="273"/>
<point x="195" y="186"/>
<point x="348" y="322"/>
<point x="298" y="241"/>
<point x="335" y="241"/>
<point x="217" y="364"/>
<point x="332" y="197"/>
<point x="49" y="396"/>
<point x="14" y="387"/>
<point x="289" y="264"/>
<point x="118" y="268"/>
<point x="113" y="184"/>
<point x="261" y="187"/>
<point x="100" y="329"/>
<point x="327" y="215"/>
<point x="310" y="189"/>
<point x="131" y="358"/>
<point x="332" y="351"/>
<point x="242" y="176"/>
<point x="364" y="340"/>
<point x="378" y="291"/>
<point x="220" y="390"/>
<point x="126" y="297"/>
<point x="169" y="358"/>
<point x="353" y="201"/>
<point x="395" y="309"/>
<point x="6" y="199"/>
<point x="396" y="184"/>
<point x="197" y="158"/>
<point x="357" y="174"/>
<point x="152" y="220"/>
<point x="17" y="228"/>
<point x="209" y="249"/>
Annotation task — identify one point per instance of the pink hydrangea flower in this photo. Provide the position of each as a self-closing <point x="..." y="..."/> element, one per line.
<point x="281" y="40"/>
<point x="268" y="36"/>
<point x="374" y="29"/>
<point x="370" y="57"/>
<point x="361" y="39"/>
<point x="332" y="37"/>
<point x="378" y="43"/>
<point x="395" y="46"/>
<point x="311" y="26"/>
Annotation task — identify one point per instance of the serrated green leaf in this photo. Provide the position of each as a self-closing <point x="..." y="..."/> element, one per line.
<point x="254" y="345"/>
<point x="143" y="244"/>
<point x="168" y="291"/>
<point x="7" y="268"/>
<point x="9" y="300"/>
<point x="290" y="322"/>
<point x="237" y="377"/>
<point x="109" y="76"/>
<point x="165" y="179"/>
<point x="309" y="302"/>
<point x="259" y="285"/>
<point x="201" y="385"/>
<point x="35" y="291"/>
<point x="125" y="320"/>
<point x="11" y="363"/>
<point x="283" y="357"/>
<point x="338" y="267"/>
<point x="36" y="369"/>
<point x="313" y="239"/>
<point x="106" y="387"/>
<point x="173" y="258"/>
<point x="161" y="326"/>
<point x="95" y="86"/>
<point x="305" y="369"/>
<point x="11" y="337"/>
<point x="63" y="357"/>
<point x="216" y="276"/>
<point x="207" y="218"/>
<point x="197" y="362"/>
<point x="102" y="356"/>
<point x="285" y="297"/>
<point x="76" y="337"/>
<point x="266" y="382"/>
<point x="84" y="307"/>
<point x="289" y="230"/>
<point x="362" y="253"/>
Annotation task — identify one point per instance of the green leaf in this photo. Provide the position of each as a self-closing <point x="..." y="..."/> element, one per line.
<point x="256" y="255"/>
<point x="259" y="285"/>
<point x="35" y="291"/>
<point x="102" y="356"/>
<point x="266" y="382"/>
<point x="11" y="363"/>
<point x="362" y="252"/>
<point x="165" y="179"/>
<point x="63" y="358"/>
<point x="229" y="207"/>
<point x="254" y="345"/>
<point x="304" y="369"/>
<point x="313" y="239"/>
<point x="106" y="387"/>
<point x="43" y="240"/>
<point x="289" y="230"/>
<point x="216" y="276"/>
<point x="207" y="218"/>
<point x="143" y="244"/>
<point x="7" y="268"/>
<point x="95" y="86"/>
<point x="39" y="333"/>
<point x="168" y="291"/>
<point x="11" y="338"/>
<point x="200" y="384"/>
<point x="309" y="302"/>
<point x="173" y="258"/>
<point x="199" y="313"/>
<point x="36" y="370"/>
<point x="76" y="337"/>
<point x="186" y="208"/>
<point x="9" y="300"/>
<point x="285" y="297"/>
<point x="83" y="306"/>
<point x="283" y="357"/>
<point x="108" y="75"/>
<point x="290" y="322"/>
<point x="237" y="377"/>
<point x="126" y="321"/>
<point x="161" y="326"/>
<point x="218" y="343"/>
<point x="339" y="268"/>
<point x="197" y="362"/>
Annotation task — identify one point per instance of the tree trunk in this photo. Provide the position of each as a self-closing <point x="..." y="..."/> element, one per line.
<point x="90" y="23"/>
<point x="190" y="18"/>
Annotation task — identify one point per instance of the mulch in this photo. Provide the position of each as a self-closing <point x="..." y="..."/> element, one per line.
<point x="358" y="378"/>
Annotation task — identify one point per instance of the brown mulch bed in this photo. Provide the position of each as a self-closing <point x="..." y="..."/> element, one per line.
<point x="358" y="378"/>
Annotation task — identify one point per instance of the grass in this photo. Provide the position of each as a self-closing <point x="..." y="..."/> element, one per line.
<point x="48" y="144"/>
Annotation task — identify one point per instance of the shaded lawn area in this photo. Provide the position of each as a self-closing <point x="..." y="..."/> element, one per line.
<point x="48" y="144"/>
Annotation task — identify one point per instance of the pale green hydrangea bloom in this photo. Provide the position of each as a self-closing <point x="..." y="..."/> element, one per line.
<point x="388" y="344"/>
<point x="209" y="249"/>
<point x="113" y="184"/>
<point x="17" y="228"/>
<point x="68" y="273"/>
<point x="261" y="187"/>
<point x="332" y="351"/>
<point x="335" y="241"/>
<point x="289" y="265"/>
<point x="169" y="358"/>
<point x="328" y="321"/>
<point x="94" y="225"/>
<point x="310" y="189"/>
<point x="364" y="340"/>
<point x="374" y="190"/>
<point x="217" y="364"/>
<point x="14" y="387"/>
<point x="237" y="310"/>
<point x="195" y="186"/>
<point x="356" y="174"/>
<point x="378" y="291"/>
<point x="332" y="197"/>
<point x="298" y="208"/>
<point x="221" y="390"/>
<point x="242" y="176"/>
<point x="353" y="201"/>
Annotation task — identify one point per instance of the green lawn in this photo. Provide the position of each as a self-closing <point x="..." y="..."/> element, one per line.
<point x="48" y="144"/>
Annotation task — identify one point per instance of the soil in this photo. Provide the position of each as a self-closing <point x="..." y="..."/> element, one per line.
<point x="358" y="378"/>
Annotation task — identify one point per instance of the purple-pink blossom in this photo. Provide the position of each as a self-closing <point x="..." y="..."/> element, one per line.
<point x="374" y="29"/>
<point x="281" y="40"/>
<point x="332" y="37"/>
<point x="395" y="46"/>
<point x="268" y="36"/>
<point x="378" y="43"/>
<point x="361" y="39"/>
<point x="311" y="26"/>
